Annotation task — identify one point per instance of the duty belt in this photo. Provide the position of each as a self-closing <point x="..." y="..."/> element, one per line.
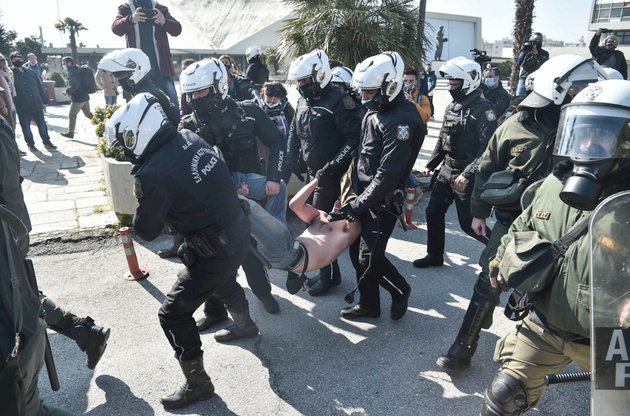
<point x="456" y="163"/>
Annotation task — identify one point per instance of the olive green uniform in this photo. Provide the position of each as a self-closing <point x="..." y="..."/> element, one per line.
<point x="519" y="143"/>
<point x="557" y="330"/>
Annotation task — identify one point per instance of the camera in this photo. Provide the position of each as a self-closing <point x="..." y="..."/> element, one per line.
<point x="606" y="30"/>
<point x="480" y="56"/>
<point x="149" y="13"/>
<point x="528" y="46"/>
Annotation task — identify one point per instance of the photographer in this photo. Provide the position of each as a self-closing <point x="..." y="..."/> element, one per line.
<point x="145" y="25"/>
<point x="532" y="56"/>
<point x="608" y="56"/>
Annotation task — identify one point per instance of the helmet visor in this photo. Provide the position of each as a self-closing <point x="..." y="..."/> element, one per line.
<point x="593" y="132"/>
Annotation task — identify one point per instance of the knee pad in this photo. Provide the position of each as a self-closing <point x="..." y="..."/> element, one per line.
<point x="506" y="396"/>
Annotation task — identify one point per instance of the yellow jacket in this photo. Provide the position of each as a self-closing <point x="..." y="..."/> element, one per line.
<point x="425" y="108"/>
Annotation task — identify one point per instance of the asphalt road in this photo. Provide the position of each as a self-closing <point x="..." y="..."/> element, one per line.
<point x="307" y="360"/>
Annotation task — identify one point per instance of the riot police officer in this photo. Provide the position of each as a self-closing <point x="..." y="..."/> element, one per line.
<point x="132" y="68"/>
<point x="233" y="128"/>
<point x="257" y="72"/>
<point x="392" y="135"/>
<point x="593" y="133"/>
<point x="524" y="142"/>
<point x="326" y="128"/>
<point x="180" y="179"/>
<point x="469" y="122"/>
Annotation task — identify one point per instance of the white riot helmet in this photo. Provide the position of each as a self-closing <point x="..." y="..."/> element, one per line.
<point x="554" y="79"/>
<point x="464" y="69"/>
<point x="613" y="73"/>
<point x="252" y="52"/>
<point x="208" y="73"/>
<point x="134" y="125"/>
<point x="314" y="65"/>
<point x="132" y="61"/>
<point x="594" y="131"/>
<point x="383" y="72"/>
<point x="342" y="75"/>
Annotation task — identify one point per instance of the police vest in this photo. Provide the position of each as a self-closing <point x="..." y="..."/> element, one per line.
<point x="459" y="134"/>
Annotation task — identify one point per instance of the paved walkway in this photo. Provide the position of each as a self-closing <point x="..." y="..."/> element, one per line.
<point x="64" y="188"/>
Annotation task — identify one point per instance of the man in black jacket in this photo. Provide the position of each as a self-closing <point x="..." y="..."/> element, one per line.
<point x="29" y="102"/>
<point x="182" y="181"/>
<point x="608" y="56"/>
<point x="257" y="72"/>
<point x="469" y="122"/>
<point x="392" y="135"/>
<point x="233" y="128"/>
<point x="77" y="93"/>
<point x="495" y="93"/>
<point x="327" y="128"/>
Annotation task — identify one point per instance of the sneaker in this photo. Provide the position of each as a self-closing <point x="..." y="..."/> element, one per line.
<point x="32" y="148"/>
<point x="417" y="195"/>
<point x="67" y="134"/>
<point x="50" y="146"/>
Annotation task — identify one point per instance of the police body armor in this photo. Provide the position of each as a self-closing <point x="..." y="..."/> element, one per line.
<point x="459" y="141"/>
<point x="233" y="134"/>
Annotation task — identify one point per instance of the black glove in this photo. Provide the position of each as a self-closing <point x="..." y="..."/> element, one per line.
<point x="297" y="169"/>
<point x="326" y="172"/>
<point x="348" y="213"/>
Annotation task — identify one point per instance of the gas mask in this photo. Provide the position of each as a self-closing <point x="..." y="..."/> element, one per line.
<point x="595" y="138"/>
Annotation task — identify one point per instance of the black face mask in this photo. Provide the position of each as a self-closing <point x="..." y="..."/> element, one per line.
<point x="18" y="64"/>
<point x="584" y="188"/>
<point x="311" y="91"/>
<point x="457" y="93"/>
<point x="610" y="47"/>
<point x="126" y="85"/>
<point x="207" y="107"/>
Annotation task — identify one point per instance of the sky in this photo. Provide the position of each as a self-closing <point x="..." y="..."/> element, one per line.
<point x="564" y="20"/>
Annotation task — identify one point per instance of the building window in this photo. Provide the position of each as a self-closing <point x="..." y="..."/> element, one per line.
<point x="606" y="11"/>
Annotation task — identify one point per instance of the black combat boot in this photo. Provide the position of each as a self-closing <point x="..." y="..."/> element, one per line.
<point x="270" y="303"/>
<point x="178" y="240"/>
<point x="243" y="327"/>
<point x="360" y="311"/>
<point x="210" y="319"/>
<point x="400" y="304"/>
<point x="90" y="338"/>
<point x="329" y="276"/>
<point x="197" y="386"/>
<point x="478" y="315"/>
<point x="429" y="261"/>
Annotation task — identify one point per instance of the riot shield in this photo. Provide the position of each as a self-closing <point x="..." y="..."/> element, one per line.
<point x="610" y="306"/>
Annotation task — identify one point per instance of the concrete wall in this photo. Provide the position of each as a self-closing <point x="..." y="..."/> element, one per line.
<point x="463" y="33"/>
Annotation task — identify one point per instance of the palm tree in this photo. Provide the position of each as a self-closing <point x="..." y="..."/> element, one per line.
<point x="73" y="27"/>
<point x="352" y="30"/>
<point x="522" y="30"/>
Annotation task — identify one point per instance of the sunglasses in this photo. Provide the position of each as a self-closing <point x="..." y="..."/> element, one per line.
<point x="274" y="87"/>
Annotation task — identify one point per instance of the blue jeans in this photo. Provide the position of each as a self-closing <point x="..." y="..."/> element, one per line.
<point x="167" y="85"/>
<point x="25" y="121"/>
<point x="111" y="100"/>
<point x="276" y="205"/>
<point x="520" y="88"/>
<point x="275" y="241"/>
<point x="411" y="181"/>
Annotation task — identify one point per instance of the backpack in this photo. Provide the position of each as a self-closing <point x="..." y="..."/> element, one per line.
<point x="87" y="78"/>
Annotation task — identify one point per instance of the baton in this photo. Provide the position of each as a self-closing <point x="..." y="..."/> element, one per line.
<point x="53" y="377"/>
<point x="567" y="378"/>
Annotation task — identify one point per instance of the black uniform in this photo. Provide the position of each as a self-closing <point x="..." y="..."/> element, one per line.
<point x="169" y="108"/>
<point x="184" y="182"/>
<point x="234" y="133"/>
<point x="464" y="137"/>
<point x="499" y="98"/>
<point x="257" y="72"/>
<point x="391" y="140"/>
<point x="327" y="130"/>
<point x="241" y="88"/>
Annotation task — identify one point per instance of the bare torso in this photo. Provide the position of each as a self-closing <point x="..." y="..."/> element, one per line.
<point x="325" y="241"/>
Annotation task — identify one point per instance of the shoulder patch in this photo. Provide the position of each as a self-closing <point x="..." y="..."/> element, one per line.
<point x="518" y="149"/>
<point x="490" y="115"/>
<point x="348" y="102"/>
<point x="137" y="188"/>
<point x="402" y="132"/>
